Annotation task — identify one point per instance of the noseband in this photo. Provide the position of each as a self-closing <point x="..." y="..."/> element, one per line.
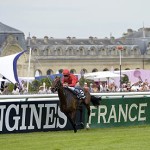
<point x="58" y="84"/>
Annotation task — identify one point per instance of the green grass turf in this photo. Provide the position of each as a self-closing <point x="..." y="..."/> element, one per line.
<point x="120" y="138"/>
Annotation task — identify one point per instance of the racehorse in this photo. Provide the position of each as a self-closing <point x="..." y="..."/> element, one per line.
<point x="70" y="104"/>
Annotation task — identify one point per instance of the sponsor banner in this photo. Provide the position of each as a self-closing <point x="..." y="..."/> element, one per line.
<point x="121" y="112"/>
<point x="31" y="116"/>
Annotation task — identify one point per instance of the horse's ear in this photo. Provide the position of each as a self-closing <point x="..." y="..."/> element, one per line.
<point x="57" y="77"/>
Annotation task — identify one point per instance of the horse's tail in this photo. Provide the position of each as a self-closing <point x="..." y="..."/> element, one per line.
<point x="95" y="100"/>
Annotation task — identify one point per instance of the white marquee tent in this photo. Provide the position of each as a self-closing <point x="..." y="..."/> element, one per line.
<point x="101" y="75"/>
<point x="8" y="67"/>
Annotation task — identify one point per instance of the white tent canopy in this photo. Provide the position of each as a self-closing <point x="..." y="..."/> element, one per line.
<point x="8" y="67"/>
<point x="5" y="80"/>
<point x="101" y="75"/>
<point x="26" y="79"/>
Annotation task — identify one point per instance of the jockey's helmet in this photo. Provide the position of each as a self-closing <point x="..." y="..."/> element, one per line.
<point x="66" y="72"/>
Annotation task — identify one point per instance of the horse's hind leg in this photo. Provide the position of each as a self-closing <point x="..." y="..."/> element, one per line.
<point x="88" y="115"/>
<point x="81" y="112"/>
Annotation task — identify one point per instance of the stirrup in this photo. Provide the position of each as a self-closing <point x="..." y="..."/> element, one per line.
<point x="81" y="97"/>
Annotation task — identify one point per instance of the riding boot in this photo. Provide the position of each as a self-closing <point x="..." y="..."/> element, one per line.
<point x="81" y="96"/>
<point x="80" y="93"/>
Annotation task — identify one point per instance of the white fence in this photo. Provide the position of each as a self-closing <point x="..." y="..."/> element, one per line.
<point x="37" y="97"/>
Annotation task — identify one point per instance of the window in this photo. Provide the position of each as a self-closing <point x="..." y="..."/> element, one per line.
<point x="94" y="70"/>
<point x="73" y="71"/>
<point x="38" y="73"/>
<point x="49" y="72"/>
<point x="106" y="69"/>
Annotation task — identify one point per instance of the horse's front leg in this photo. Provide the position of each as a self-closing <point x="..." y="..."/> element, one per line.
<point x="72" y="122"/>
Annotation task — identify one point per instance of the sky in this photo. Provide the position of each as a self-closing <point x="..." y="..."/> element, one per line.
<point x="75" y="18"/>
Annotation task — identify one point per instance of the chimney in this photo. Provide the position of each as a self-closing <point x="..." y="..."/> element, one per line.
<point x="46" y="39"/>
<point x="69" y="40"/>
<point x="91" y="40"/>
<point x="33" y="39"/>
<point x="129" y="31"/>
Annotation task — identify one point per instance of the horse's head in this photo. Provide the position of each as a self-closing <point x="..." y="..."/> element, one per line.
<point x="56" y="84"/>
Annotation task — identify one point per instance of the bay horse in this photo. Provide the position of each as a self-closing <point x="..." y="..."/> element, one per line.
<point x="70" y="104"/>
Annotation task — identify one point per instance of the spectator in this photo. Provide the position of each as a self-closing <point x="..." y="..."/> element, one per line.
<point x="143" y="87"/>
<point x="1" y="91"/>
<point x="24" y="90"/>
<point x="90" y="88"/>
<point x="16" y="89"/>
<point x="112" y="87"/>
<point x="95" y="88"/>
<point x="49" y="90"/>
<point x="103" y="87"/>
<point x="41" y="90"/>
<point x="86" y="87"/>
<point x="136" y="86"/>
<point x="124" y="87"/>
<point x="129" y="86"/>
<point x="5" y="91"/>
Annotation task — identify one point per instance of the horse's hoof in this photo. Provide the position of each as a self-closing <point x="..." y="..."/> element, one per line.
<point x="75" y="131"/>
<point x="82" y="124"/>
<point x="87" y="126"/>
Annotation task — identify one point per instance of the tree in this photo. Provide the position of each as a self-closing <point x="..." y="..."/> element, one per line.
<point x="125" y="79"/>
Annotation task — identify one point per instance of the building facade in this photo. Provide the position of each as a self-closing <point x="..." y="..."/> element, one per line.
<point x="50" y="55"/>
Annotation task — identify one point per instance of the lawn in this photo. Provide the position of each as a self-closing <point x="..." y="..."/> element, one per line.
<point x="120" y="138"/>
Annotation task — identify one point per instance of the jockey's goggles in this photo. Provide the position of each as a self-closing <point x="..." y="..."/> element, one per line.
<point x="66" y="75"/>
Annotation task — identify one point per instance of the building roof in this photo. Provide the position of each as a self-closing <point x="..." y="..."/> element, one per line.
<point x="7" y="29"/>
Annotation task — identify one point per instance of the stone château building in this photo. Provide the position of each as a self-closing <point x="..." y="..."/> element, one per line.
<point x="50" y="55"/>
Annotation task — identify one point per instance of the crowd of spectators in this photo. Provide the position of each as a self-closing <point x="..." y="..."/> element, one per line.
<point x="92" y="87"/>
<point x="125" y="87"/>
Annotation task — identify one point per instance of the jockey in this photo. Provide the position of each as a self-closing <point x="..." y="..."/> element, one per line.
<point x="69" y="81"/>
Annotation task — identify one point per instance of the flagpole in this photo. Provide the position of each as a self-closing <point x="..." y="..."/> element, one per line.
<point x="29" y="64"/>
<point x="120" y="70"/>
<point x="120" y="48"/>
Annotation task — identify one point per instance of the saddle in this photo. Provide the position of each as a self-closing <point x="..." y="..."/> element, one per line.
<point x="77" y="91"/>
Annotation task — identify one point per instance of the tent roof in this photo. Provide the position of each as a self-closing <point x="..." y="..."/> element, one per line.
<point x="8" y="67"/>
<point x="100" y="75"/>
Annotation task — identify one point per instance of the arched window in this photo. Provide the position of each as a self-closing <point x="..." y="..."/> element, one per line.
<point x="35" y="52"/>
<point x="106" y="69"/>
<point x="94" y="70"/>
<point x="81" y="49"/>
<point x="49" y="72"/>
<point x="116" y="69"/>
<point x="38" y="73"/>
<point x="45" y="52"/>
<point x="60" y="70"/>
<point x="69" y="51"/>
<point x="104" y="52"/>
<point x="83" y="71"/>
<point x="92" y="50"/>
<point x="73" y="71"/>
<point x="59" y="51"/>
<point x="127" y="69"/>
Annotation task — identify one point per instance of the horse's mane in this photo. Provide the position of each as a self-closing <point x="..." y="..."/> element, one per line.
<point x="69" y="91"/>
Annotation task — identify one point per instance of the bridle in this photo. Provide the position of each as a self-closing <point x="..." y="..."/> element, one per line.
<point x="57" y="84"/>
